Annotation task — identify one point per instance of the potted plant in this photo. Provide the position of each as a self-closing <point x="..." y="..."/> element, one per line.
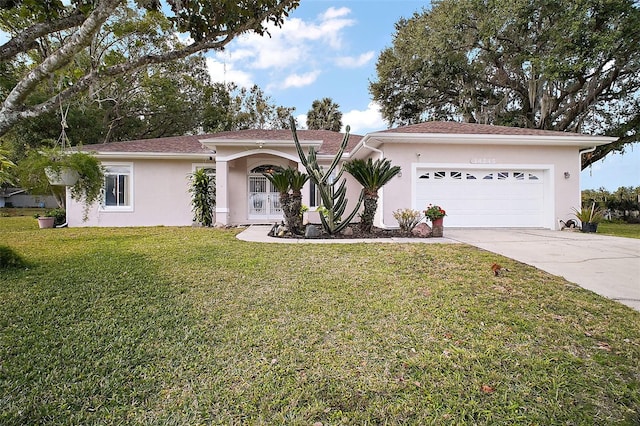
<point x="51" y="218"/>
<point x="45" y="220"/>
<point x="48" y="171"/>
<point x="589" y="218"/>
<point x="436" y="215"/>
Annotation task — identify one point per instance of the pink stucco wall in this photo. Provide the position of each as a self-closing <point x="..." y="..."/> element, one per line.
<point x="160" y="197"/>
<point x="397" y="193"/>
<point x="160" y="187"/>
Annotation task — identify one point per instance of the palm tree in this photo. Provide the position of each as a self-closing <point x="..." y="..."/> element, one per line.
<point x="280" y="181"/>
<point x="372" y="176"/>
<point x="324" y="115"/>
<point x="297" y="179"/>
<point x="289" y="183"/>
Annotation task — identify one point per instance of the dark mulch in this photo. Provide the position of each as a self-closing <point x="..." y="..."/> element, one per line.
<point x="357" y="233"/>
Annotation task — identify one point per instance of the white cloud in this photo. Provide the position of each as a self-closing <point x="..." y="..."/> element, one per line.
<point x="363" y="122"/>
<point x="354" y="62"/>
<point x="297" y="45"/>
<point x="301" y="121"/>
<point x="225" y="72"/>
<point x="296" y="80"/>
<point x="333" y="13"/>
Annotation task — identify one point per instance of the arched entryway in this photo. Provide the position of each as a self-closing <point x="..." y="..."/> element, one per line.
<point x="264" y="200"/>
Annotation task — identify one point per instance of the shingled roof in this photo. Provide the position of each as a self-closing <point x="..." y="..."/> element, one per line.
<point x="453" y="127"/>
<point x="191" y="144"/>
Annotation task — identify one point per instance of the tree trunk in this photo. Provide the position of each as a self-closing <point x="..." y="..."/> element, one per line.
<point x="370" y="207"/>
<point x="295" y="219"/>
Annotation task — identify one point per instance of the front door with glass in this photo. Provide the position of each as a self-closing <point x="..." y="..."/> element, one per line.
<point x="264" y="200"/>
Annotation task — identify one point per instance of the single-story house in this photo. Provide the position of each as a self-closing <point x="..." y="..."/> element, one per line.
<point x="482" y="175"/>
<point x="19" y="197"/>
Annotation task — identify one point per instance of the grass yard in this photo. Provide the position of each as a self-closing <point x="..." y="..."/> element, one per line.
<point x="629" y="230"/>
<point x="188" y="326"/>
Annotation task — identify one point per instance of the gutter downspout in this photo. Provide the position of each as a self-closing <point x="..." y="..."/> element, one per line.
<point x="586" y="151"/>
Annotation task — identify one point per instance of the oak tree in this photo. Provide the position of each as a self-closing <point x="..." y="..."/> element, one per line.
<point x="53" y="51"/>
<point x="557" y="65"/>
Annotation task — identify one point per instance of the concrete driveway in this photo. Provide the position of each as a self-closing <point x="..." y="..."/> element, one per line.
<point x="609" y="266"/>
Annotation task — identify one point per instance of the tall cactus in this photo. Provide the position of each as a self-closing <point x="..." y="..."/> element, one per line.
<point x="334" y="200"/>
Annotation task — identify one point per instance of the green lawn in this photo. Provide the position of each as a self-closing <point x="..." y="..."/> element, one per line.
<point x="190" y="326"/>
<point x="629" y="230"/>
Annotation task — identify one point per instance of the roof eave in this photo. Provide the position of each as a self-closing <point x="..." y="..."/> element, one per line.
<point x="578" y="141"/>
<point x="212" y="143"/>
<point x="153" y="156"/>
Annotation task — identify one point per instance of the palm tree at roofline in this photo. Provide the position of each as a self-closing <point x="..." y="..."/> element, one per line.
<point x="324" y="115"/>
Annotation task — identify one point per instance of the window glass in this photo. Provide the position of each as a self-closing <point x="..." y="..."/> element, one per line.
<point x="117" y="186"/>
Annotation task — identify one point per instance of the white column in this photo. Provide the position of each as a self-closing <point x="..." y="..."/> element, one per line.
<point x="222" y="192"/>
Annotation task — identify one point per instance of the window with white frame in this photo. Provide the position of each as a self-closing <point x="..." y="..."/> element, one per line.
<point x="315" y="200"/>
<point x="314" y="195"/>
<point x="118" y="187"/>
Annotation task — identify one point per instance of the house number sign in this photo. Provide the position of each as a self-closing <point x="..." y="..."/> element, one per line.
<point x="483" y="161"/>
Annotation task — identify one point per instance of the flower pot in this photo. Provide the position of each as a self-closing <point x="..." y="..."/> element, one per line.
<point x="589" y="227"/>
<point x="63" y="177"/>
<point x="437" y="228"/>
<point x="46" y="222"/>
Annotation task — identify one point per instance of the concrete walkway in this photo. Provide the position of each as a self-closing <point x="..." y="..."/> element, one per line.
<point x="609" y="266"/>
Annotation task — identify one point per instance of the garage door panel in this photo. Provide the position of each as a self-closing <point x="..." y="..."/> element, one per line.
<point x="484" y="198"/>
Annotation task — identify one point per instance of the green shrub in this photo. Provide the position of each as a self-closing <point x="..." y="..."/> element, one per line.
<point x="60" y="216"/>
<point x="10" y="259"/>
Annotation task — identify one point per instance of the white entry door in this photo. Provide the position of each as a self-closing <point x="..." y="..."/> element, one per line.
<point x="264" y="201"/>
<point x="484" y="197"/>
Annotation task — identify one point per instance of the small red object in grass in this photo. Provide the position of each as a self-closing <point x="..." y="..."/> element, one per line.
<point x="487" y="389"/>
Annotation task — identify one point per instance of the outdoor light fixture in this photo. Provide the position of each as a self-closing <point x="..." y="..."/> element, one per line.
<point x="567" y="175"/>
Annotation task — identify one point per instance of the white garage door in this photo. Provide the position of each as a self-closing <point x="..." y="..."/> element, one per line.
<point x="484" y="198"/>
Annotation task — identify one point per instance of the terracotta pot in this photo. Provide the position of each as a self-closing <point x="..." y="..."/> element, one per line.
<point x="438" y="222"/>
<point x="46" y="222"/>
<point x="437" y="228"/>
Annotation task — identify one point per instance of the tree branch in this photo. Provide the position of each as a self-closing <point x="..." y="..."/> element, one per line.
<point x="13" y="109"/>
<point x="14" y="101"/>
<point x="25" y="40"/>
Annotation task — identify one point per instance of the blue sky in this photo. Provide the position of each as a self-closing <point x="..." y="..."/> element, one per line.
<point x="329" y="49"/>
<point x="325" y="49"/>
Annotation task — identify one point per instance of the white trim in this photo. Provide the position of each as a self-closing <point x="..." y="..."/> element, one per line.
<point x="573" y="139"/>
<point x="196" y="166"/>
<point x="121" y="209"/>
<point x="260" y="151"/>
<point x="153" y="155"/>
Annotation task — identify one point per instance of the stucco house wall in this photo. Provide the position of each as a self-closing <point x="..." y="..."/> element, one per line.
<point x="160" y="197"/>
<point x="557" y="160"/>
<point x="432" y="157"/>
